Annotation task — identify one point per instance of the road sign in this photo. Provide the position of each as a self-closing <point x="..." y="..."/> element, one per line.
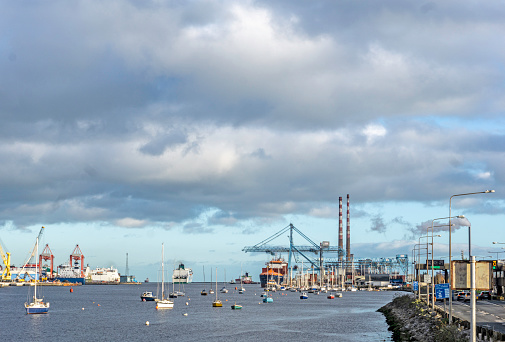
<point x="437" y="264"/>
<point x="427" y="278"/>
<point x="415" y="286"/>
<point x="460" y="279"/>
<point x="442" y="291"/>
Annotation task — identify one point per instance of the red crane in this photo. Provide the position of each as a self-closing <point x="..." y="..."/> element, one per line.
<point x="77" y="259"/>
<point x="47" y="254"/>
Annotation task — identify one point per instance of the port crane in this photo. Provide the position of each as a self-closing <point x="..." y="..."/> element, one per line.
<point x="32" y="254"/>
<point x="6" y="257"/>
<point x="295" y="251"/>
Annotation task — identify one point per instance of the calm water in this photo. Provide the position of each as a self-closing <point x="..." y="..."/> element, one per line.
<point x="115" y="313"/>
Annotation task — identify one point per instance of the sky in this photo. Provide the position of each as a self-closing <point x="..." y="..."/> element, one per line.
<point x="211" y="125"/>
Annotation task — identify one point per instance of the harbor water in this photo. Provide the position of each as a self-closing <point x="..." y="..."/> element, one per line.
<point x="116" y="313"/>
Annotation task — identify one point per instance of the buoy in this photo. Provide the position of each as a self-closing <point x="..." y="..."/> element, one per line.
<point x="187" y="303"/>
<point x="185" y="314"/>
<point x="83" y="308"/>
<point x="71" y="290"/>
<point x="147" y="322"/>
<point x="98" y="304"/>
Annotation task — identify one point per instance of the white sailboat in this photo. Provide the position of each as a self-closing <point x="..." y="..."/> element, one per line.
<point x="37" y="305"/>
<point x="163" y="303"/>
<point x="223" y="289"/>
<point x="211" y="291"/>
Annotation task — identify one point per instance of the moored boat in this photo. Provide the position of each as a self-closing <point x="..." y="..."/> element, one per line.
<point x="217" y="303"/>
<point x="236" y="307"/>
<point x="163" y="303"/>
<point x="304" y="295"/>
<point x="147" y="296"/>
<point x="37" y="306"/>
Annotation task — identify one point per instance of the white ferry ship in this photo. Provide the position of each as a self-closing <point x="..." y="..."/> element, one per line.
<point x="182" y="275"/>
<point x="102" y="275"/>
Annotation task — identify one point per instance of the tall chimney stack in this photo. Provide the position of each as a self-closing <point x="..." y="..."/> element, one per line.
<point x="348" y="240"/>
<point x="340" y="230"/>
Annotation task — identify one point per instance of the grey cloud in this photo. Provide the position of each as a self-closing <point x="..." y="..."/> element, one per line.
<point x="162" y="141"/>
<point x="93" y="101"/>
<point x="378" y="224"/>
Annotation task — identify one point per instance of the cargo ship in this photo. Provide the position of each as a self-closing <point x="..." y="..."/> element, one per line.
<point x="244" y="279"/>
<point x="69" y="274"/>
<point x="182" y="275"/>
<point x="274" y="273"/>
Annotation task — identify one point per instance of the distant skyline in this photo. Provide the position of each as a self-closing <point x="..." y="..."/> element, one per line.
<point x="211" y="125"/>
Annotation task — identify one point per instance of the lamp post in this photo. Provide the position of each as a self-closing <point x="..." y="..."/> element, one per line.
<point x="450" y="251"/>
<point x="496" y="253"/>
<point x="432" y="272"/>
<point x="427" y="250"/>
<point x="417" y="268"/>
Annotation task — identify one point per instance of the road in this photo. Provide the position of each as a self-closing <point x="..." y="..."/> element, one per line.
<point x="489" y="312"/>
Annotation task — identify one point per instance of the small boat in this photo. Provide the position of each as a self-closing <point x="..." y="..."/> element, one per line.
<point x="204" y="292"/>
<point x="217" y="303"/>
<point x="147" y="296"/>
<point x="38" y="306"/>
<point x="338" y="294"/>
<point x="172" y="295"/>
<point x="236" y="307"/>
<point x="331" y="296"/>
<point x="268" y="300"/>
<point x="223" y="290"/>
<point x="303" y="295"/>
<point x="163" y="303"/>
<point x="241" y="290"/>
<point x="264" y="294"/>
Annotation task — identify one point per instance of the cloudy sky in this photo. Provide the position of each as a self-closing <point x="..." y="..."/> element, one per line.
<point x="211" y="125"/>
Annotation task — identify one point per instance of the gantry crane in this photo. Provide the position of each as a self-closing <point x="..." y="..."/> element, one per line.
<point x="295" y="250"/>
<point x="77" y="260"/>
<point x="47" y="254"/>
<point x="6" y="257"/>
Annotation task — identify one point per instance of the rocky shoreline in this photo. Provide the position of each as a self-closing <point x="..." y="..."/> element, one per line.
<point x="410" y="320"/>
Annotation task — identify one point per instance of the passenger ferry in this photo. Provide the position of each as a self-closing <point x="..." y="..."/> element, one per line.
<point x="182" y="275"/>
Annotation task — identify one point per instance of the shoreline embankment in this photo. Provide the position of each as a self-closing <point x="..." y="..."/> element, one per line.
<point x="411" y="320"/>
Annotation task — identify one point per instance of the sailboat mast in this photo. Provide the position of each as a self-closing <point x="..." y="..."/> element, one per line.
<point x="162" y="273"/>
<point x="36" y="267"/>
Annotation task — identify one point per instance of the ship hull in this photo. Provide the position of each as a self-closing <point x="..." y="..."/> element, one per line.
<point x="72" y="280"/>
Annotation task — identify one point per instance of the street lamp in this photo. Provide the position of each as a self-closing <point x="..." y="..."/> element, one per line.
<point x="416" y="265"/>
<point x="432" y="280"/>
<point x="427" y="251"/>
<point x="450" y="247"/>
<point x="496" y="253"/>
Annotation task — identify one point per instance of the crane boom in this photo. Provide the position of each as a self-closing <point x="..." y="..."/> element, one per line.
<point x="32" y="254"/>
<point x="6" y="257"/>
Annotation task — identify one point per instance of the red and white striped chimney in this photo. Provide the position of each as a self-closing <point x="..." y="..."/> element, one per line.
<point x="348" y="240"/>
<point x="340" y="229"/>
